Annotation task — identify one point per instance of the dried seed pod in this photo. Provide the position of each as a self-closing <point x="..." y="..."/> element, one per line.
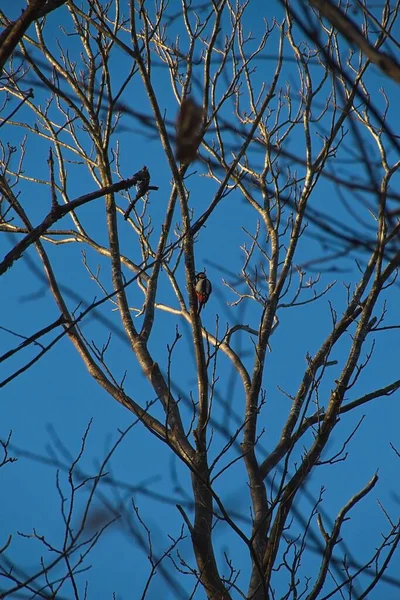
<point x="188" y="127"/>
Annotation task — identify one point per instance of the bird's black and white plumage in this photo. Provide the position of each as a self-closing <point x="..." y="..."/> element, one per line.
<point x="203" y="289"/>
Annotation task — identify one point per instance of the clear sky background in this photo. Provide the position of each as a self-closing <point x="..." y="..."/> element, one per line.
<point x="56" y="398"/>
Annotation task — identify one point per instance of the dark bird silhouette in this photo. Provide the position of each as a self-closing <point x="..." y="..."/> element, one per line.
<point x="142" y="187"/>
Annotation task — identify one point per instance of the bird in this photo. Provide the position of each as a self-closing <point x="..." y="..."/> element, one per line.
<point x="188" y="131"/>
<point x="142" y="187"/>
<point x="203" y="289"/>
<point x="143" y="183"/>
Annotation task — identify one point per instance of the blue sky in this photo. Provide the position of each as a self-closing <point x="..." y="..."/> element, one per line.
<point x="57" y="394"/>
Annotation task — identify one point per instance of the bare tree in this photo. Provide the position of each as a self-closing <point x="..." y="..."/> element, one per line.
<point x="268" y="142"/>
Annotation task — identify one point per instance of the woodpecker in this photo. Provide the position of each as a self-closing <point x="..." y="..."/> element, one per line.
<point x="203" y="289"/>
